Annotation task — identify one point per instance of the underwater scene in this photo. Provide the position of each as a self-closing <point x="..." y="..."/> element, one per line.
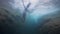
<point x="29" y="16"/>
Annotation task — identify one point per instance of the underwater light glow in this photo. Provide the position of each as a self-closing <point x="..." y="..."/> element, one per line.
<point x="42" y="6"/>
